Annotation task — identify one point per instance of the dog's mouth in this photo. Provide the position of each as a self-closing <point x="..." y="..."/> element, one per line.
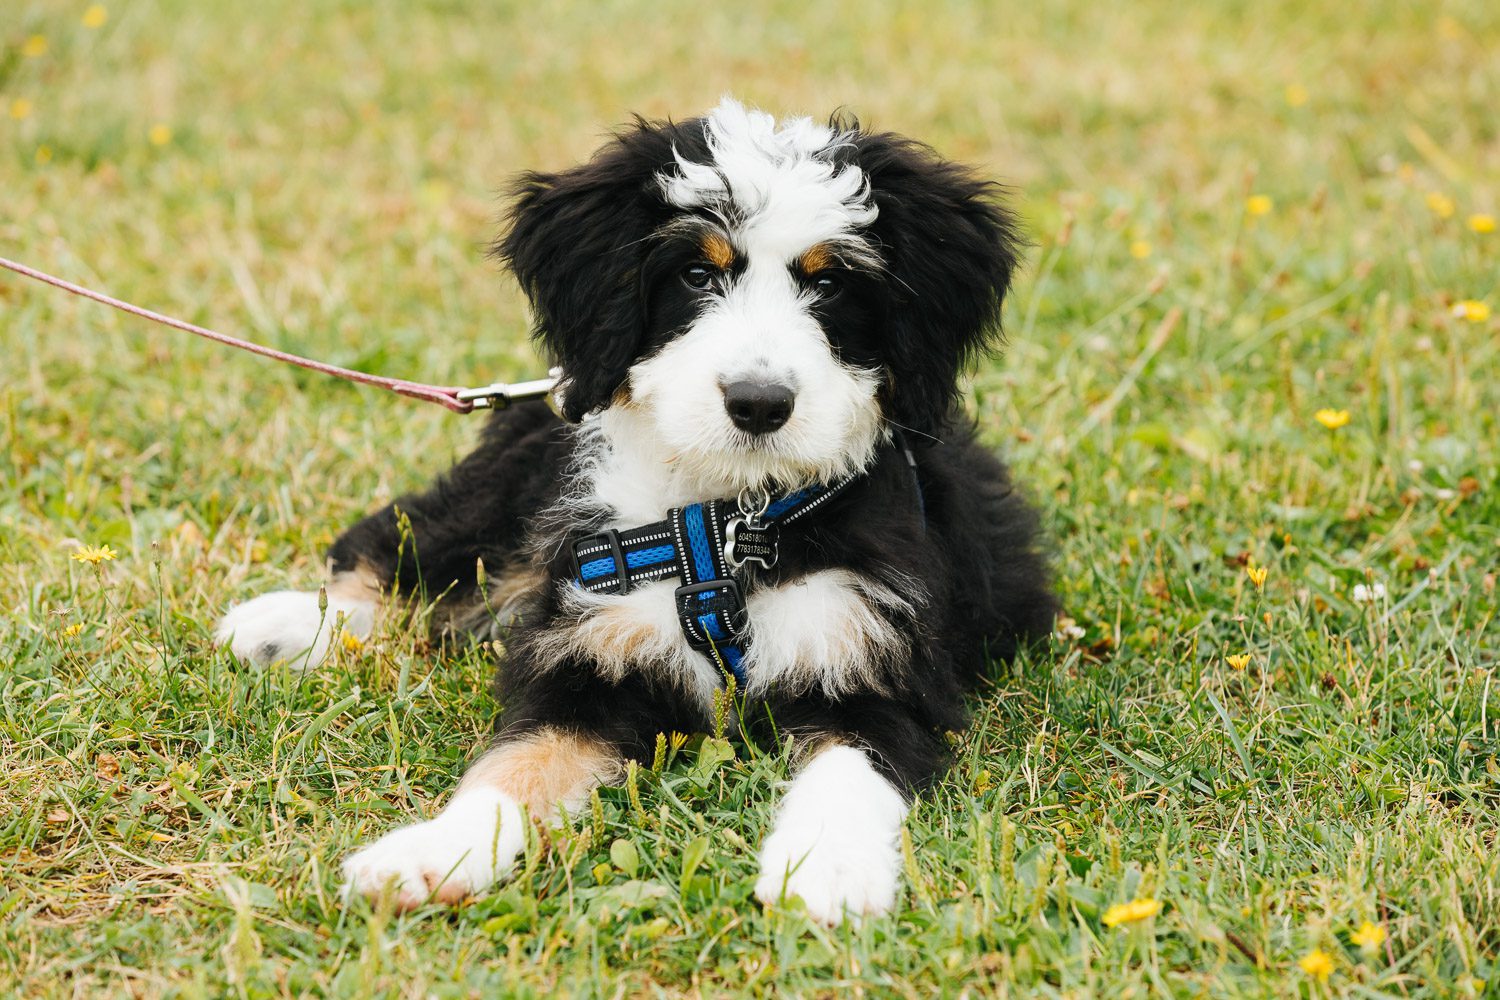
<point x="754" y="443"/>
<point x="746" y="461"/>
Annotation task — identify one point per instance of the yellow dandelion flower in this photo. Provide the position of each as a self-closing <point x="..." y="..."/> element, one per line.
<point x="20" y="108"/>
<point x="353" y="643"/>
<point x="1442" y="206"/>
<point x="1332" y="419"/>
<point x="1482" y="222"/>
<point x="1369" y="937"/>
<point x="1259" y="204"/>
<point x="1238" y="661"/>
<point x="1472" y="310"/>
<point x="160" y="134"/>
<point x="1317" y="964"/>
<point x="1140" y="249"/>
<point x="34" y="46"/>
<point x="1296" y="95"/>
<point x="43" y="155"/>
<point x="1257" y="575"/>
<point x="94" y="554"/>
<point x="71" y="630"/>
<point x="95" y="16"/>
<point x="1132" y="912"/>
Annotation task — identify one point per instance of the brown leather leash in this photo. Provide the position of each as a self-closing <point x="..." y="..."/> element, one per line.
<point x="496" y="396"/>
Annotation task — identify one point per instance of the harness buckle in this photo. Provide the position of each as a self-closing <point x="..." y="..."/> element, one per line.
<point x="697" y="601"/>
<point x="610" y="537"/>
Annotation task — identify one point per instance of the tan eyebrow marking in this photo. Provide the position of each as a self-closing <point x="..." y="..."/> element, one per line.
<point x="815" y="258"/>
<point x="717" y="250"/>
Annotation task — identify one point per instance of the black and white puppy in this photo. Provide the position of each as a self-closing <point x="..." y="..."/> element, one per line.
<point x="739" y="308"/>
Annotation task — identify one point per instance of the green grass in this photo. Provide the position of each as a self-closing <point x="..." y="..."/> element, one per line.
<point x="170" y="823"/>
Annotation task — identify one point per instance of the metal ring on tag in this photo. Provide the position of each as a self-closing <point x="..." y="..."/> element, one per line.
<point x="760" y="502"/>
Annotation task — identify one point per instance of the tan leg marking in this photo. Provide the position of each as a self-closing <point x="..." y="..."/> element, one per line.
<point x="486" y="615"/>
<point x="516" y="584"/>
<point x="545" y="769"/>
<point x="358" y="584"/>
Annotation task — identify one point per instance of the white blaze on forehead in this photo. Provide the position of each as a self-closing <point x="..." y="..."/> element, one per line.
<point x="776" y="184"/>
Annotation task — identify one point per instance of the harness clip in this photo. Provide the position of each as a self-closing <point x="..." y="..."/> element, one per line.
<point x="699" y="601"/>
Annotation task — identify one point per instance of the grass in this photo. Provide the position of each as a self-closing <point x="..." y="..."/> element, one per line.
<point x="324" y="179"/>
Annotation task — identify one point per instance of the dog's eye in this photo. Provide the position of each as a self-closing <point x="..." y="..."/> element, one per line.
<point x="698" y="277"/>
<point x="828" y="285"/>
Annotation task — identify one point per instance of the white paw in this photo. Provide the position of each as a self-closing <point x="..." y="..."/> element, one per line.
<point x="467" y="848"/>
<point x="287" y="625"/>
<point x="836" y="842"/>
<point x="835" y="877"/>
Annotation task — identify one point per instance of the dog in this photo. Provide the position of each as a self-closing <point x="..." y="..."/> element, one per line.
<point x="763" y="482"/>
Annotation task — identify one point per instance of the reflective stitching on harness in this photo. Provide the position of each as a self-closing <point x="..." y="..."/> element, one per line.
<point x="635" y="560"/>
<point x="785" y="504"/>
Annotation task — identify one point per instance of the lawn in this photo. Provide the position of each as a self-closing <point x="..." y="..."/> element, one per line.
<point x="1253" y="378"/>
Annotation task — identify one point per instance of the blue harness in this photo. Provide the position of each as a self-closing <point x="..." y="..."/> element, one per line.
<point x="702" y="545"/>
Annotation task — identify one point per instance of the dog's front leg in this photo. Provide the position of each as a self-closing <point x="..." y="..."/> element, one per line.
<point x="474" y="841"/>
<point x="422" y="545"/>
<point x="837" y="839"/>
<point x="298" y="626"/>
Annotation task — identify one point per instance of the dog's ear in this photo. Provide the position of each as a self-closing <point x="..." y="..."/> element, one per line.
<point x="950" y="249"/>
<point x="576" y="242"/>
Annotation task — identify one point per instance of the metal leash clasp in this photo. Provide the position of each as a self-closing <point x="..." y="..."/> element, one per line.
<point x="748" y="537"/>
<point x="499" y="395"/>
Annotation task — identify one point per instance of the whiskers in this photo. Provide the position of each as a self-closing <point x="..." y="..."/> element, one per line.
<point x="913" y="430"/>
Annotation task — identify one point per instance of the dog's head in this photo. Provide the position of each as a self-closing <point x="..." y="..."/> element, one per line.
<point x="769" y="297"/>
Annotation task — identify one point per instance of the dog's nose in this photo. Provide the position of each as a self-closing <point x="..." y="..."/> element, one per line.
<point x="758" y="407"/>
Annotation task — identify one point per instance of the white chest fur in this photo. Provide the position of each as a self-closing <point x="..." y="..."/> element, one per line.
<point x="828" y="631"/>
<point x="824" y="632"/>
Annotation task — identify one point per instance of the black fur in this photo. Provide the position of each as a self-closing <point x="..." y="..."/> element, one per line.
<point x="605" y="294"/>
<point x="576" y="243"/>
<point x="950" y="249"/>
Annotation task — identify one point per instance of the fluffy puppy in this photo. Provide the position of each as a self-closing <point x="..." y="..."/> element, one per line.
<point x="747" y="309"/>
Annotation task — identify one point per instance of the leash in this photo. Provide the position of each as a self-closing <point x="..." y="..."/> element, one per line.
<point x="497" y="395"/>
<point x="702" y="544"/>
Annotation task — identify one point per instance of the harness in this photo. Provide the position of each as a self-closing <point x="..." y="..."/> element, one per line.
<point x="702" y="545"/>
